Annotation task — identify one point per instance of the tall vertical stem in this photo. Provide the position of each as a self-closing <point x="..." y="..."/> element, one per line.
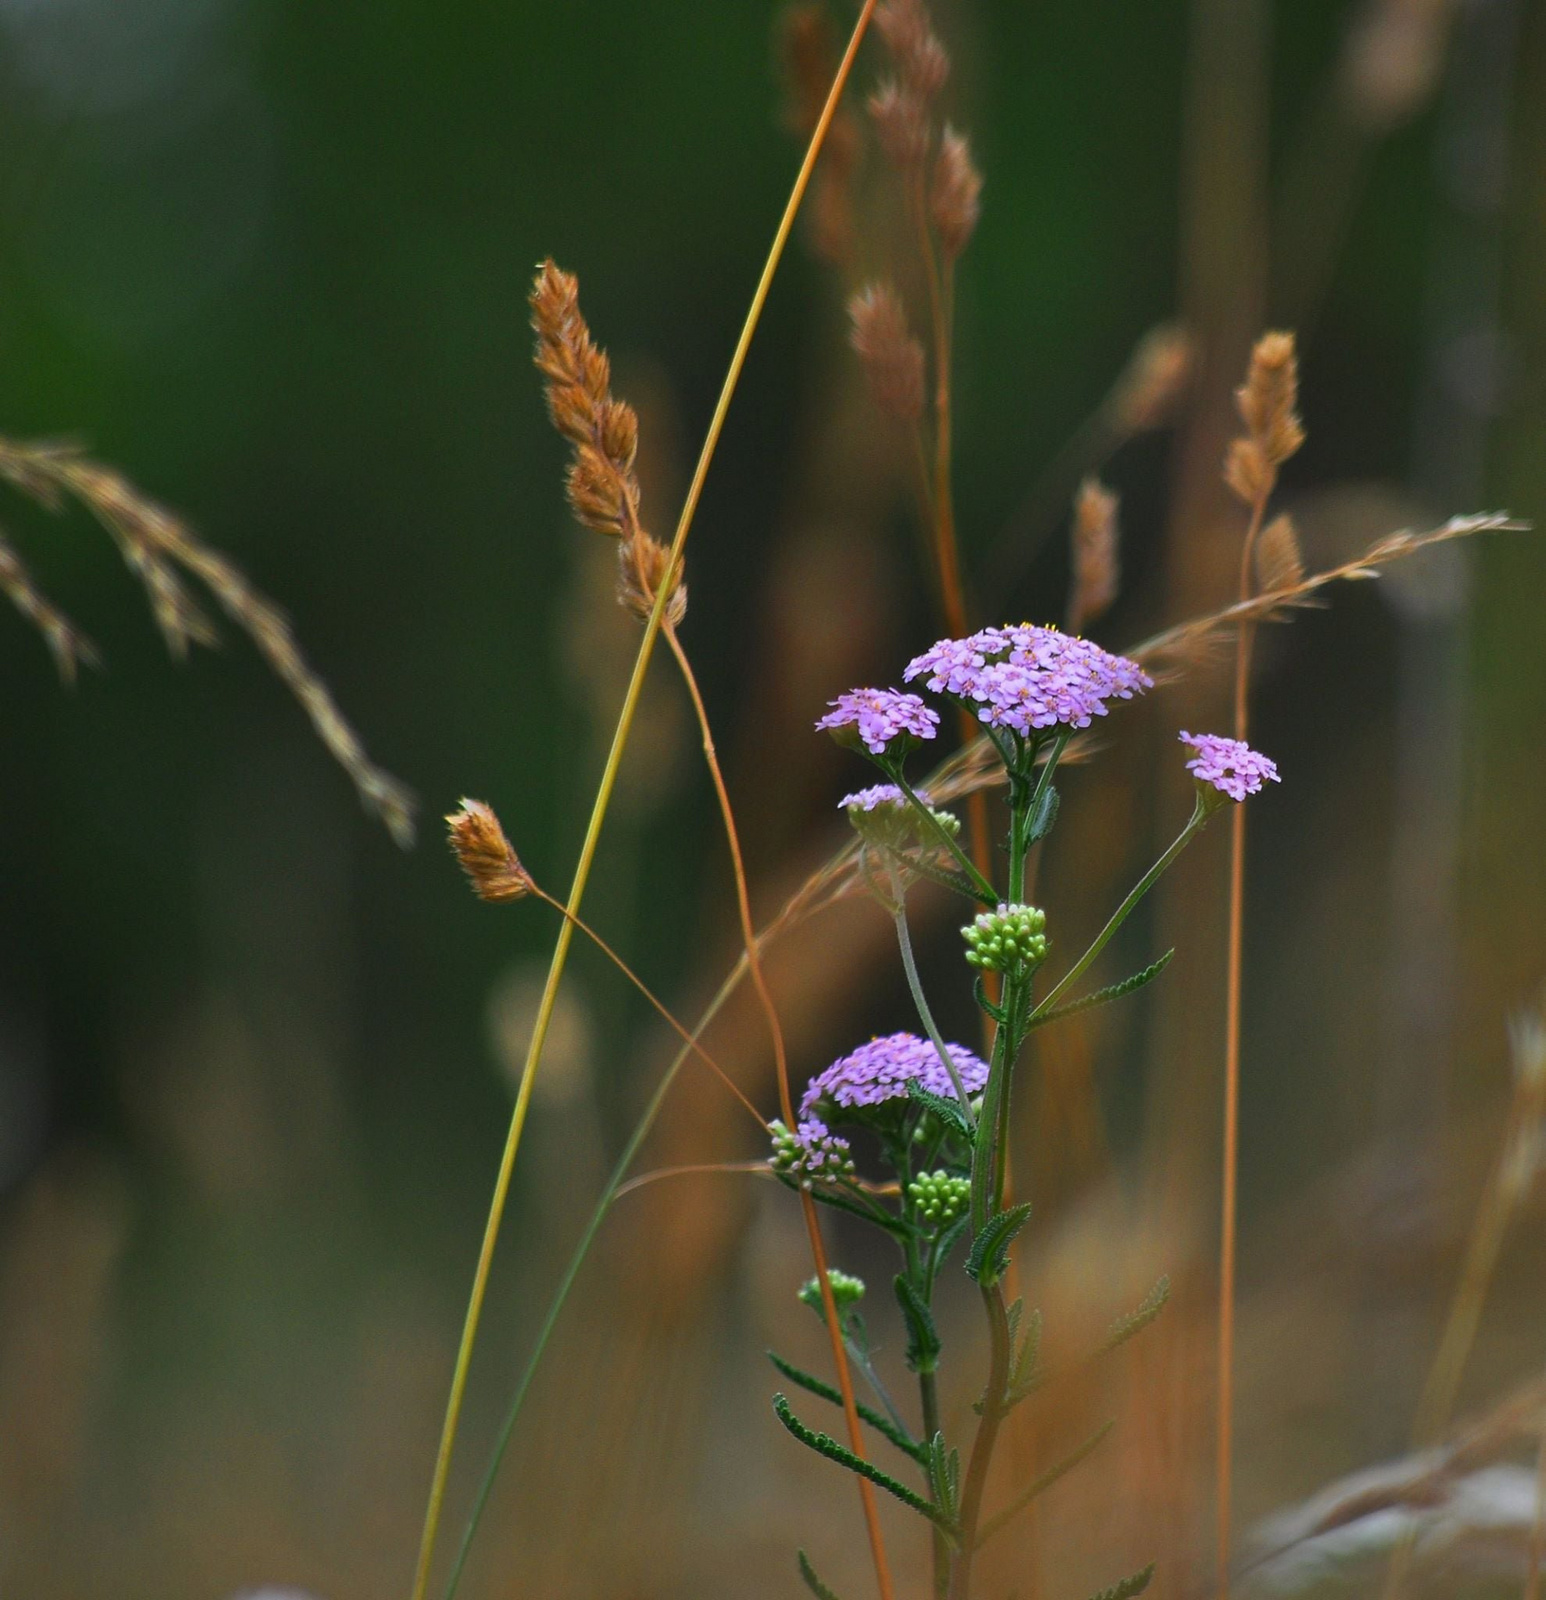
<point x="1226" y="1358"/>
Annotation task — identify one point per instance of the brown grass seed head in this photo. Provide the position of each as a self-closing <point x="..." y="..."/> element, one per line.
<point x="602" y="486"/>
<point x="1154" y="380"/>
<point x="908" y="32"/>
<point x="1269" y="398"/>
<point x="955" y="196"/>
<point x="643" y="563"/>
<point x="1279" y="563"/>
<point x="492" y="867"/>
<point x="892" y="358"/>
<point x="1097" y="567"/>
<point x="902" y="125"/>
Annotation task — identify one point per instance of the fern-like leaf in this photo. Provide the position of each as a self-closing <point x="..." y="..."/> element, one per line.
<point x="825" y="1445"/>
<point x="1105" y="996"/>
<point x="1126" y="1588"/>
<point x="948" y="1109"/>
<point x="1136" y="1321"/>
<point x="882" y="1424"/>
<point x="923" y="1343"/>
<point x="812" y="1582"/>
<point x="1040" y="1486"/>
<point x="990" y="1249"/>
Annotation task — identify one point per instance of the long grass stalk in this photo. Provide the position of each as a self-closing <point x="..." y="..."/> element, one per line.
<point x="786" y="1103"/>
<point x="599" y="808"/>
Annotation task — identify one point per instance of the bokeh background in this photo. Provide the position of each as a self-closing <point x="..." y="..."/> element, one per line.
<point x="255" y="1063"/>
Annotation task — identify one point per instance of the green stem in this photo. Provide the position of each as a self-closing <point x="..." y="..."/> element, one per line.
<point x="985" y="890"/>
<point x="982" y="1445"/>
<point x="1199" y="816"/>
<point x="910" y="965"/>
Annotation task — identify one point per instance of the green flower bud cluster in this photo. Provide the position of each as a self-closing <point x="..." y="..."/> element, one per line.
<point x="847" y="1291"/>
<point x="939" y="1198"/>
<point x="1000" y="941"/>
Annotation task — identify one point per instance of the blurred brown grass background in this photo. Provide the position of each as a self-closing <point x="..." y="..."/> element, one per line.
<point x="255" y="1065"/>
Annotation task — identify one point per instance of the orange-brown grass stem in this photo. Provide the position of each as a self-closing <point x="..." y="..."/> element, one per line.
<point x="786" y="1102"/>
<point x="665" y="1013"/>
<point x="603" y="798"/>
<point x="1228" y="1202"/>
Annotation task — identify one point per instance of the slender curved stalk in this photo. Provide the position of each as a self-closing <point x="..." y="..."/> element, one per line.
<point x="786" y="1101"/>
<point x="910" y="966"/>
<point x="622" y="966"/>
<point x="1120" y="915"/>
<point x="977" y="879"/>
<point x="652" y="628"/>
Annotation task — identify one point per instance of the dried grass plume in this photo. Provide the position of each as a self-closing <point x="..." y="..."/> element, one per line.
<point x="1096" y="554"/>
<point x="1268" y="402"/>
<point x="892" y="358"/>
<point x="955" y="197"/>
<point x="479" y="844"/>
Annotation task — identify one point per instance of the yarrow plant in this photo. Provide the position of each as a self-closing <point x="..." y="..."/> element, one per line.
<point x="936" y="1113"/>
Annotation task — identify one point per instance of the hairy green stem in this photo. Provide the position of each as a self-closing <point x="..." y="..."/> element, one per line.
<point x="914" y="983"/>
<point x="983" y="1444"/>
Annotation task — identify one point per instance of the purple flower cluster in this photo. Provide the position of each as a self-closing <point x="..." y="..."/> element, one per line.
<point x="877" y="795"/>
<point x="1232" y="767"/>
<point x="879" y="716"/>
<point x="881" y="1070"/>
<point x="1025" y="678"/>
<point x="811" y="1154"/>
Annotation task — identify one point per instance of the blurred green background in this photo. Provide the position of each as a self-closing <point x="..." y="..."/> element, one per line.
<point x="270" y="260"/>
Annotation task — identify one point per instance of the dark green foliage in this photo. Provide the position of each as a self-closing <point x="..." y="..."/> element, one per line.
<point x="923" y="1344"/>
<point x="1126" y="1588"/>
<point x="1104" y="996"/>
<point x="1136" y="1321"/>
<point x="990" y="1249"/>
<point x="825" y="1445"/>
<point x="948" y="1110"/>
<point x="947" y="1240"/>
<point x="882" y="1424"/>
<point x="1040" y="1486"/>
<point x="812" y="1582"/>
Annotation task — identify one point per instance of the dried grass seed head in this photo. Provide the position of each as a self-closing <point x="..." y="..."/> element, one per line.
<point x="809" y="52"/>
<point x="955" y="196"/>
<point x="1269" y="398"/>
<point x="902" y="125"/>
<point x="479" y="843"/>
<point x="1155" y="379"/>
<point x="643" y="564"/>
<point x="892" y="358"/>
<point x="1097" y="564"/>
<point x="602" y="486"/>
<point x="920" y="57"/>
<point x="1279" y="563"/>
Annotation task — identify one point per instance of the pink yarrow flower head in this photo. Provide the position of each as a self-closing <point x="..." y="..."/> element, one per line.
<point x="884" y="720"/>
<point x="1228" y="766"/>
<point x="881" y="1070"/>
<point x="1027" y="678"/>
<point x="811" y="1153"/>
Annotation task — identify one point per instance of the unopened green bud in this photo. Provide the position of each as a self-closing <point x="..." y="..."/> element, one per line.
<point x="938" y="1199"/>
<point x="1007" y="939"/>
<point x="847" y="1291"/>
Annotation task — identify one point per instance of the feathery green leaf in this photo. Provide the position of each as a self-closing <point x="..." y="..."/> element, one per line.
<point x="923" y="1344"/>
<point x="1126" y="1588"/>
<point x="990" y="1249"/>
<point x="812" y="1582"/>
<point x="1104" y="996"/>
<point x="1040" y="1486"/>
<point x="882" y="1424"/>
<point x="825" y="1445"/>
<point x="1136" y="1321"/>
